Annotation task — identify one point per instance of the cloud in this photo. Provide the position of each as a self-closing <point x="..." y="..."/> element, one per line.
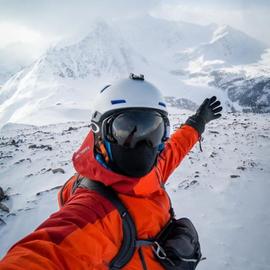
<point x="67" y="16"/>
<point x="251" y="17"/>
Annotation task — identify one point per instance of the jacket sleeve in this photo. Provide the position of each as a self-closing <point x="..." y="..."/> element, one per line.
<point x="177" y="147"/>
<point x="76" y="237"/>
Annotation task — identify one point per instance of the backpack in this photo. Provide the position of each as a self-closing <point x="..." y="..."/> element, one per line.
<point x="167" y="245"/>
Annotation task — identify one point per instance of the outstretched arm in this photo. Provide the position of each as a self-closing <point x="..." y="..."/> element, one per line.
<point x="182" y="141"/>
<point x="177" y="147"/>
<point x="72" y="238"/>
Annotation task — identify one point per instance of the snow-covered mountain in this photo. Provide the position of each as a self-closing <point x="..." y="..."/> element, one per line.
<point x="229" y="46"/>
<point x="159" y="39"/>
<point x="247" y="86"/>
<point x="60" y="85"/>
<point x="102" y="52"/>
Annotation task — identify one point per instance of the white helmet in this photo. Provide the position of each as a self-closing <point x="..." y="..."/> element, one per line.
<point x="133" y="92"/>
<point x="130" y="124"/>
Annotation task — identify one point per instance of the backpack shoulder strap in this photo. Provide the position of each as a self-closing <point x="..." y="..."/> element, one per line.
<point x="128" y="245"/>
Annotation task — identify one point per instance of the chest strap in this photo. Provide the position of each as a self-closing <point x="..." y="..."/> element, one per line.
<point x="128" y="245"/>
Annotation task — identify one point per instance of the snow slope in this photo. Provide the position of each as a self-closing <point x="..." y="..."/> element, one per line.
<point x="224" y="189"/>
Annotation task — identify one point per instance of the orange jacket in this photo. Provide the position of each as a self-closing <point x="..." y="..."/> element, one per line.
<point x="86" y="233"/>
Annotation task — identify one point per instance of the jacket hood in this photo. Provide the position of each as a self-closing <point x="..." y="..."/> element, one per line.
<point x="85" y="164"/>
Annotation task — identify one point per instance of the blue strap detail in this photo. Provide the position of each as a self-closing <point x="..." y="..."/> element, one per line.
<point x="108" y="148"/>
<point x="161" y="147"/>
<point x="117" y="101"/>
<point x="100" y="159"/>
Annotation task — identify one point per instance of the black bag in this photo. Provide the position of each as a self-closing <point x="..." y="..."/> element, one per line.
<point x="177" y="246"/>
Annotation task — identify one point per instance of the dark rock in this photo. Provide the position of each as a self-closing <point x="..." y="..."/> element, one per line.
<point x="58" y="170"/>
<point x="72" y="128"/>
<point x="2" y="222"/>
<point x="42" y="146"/>
<point x="213" y="132"/>
<point x="4" y="208"/>
<point x="13" y="142"/>
<point x="22" y="160"/>
<point x="214" y="154"/>
<point x="235" y="176"/>
<point x="47" y="190"/>
<point x="242" y="168"/>
<point x="8" y="156"/>
<point x="193" y="182"/>
<point x="32" y="146"/>
<point x="2" y="194"/>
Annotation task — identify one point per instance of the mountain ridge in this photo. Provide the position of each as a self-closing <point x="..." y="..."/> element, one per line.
<point x="65" y="73"/>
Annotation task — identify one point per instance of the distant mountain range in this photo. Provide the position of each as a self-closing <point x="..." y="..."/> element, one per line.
<point x="185" y="60"/>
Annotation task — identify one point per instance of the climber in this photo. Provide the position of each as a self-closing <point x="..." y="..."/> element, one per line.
<point x="128" y="149"/>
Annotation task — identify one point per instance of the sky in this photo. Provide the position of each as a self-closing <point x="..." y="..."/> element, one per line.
<point x="39" y="23"/>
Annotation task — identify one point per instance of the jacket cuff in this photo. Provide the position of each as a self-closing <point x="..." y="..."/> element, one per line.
<point x="196" y="122"/>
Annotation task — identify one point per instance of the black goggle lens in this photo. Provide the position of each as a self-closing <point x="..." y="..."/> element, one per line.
<point x="131" y="128"/>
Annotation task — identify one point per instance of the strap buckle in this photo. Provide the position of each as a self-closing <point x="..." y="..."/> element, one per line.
<point x="160" y="253"/>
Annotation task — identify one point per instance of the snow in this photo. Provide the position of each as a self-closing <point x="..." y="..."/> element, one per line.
<point x="230" y="212"/>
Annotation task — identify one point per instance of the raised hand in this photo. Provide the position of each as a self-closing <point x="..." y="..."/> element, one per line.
<point x="209" y="110"/>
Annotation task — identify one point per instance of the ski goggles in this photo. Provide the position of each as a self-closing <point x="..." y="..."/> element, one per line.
<point x="132" y="127"/>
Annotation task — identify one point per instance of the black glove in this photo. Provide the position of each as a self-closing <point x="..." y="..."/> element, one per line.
<point x="208" y="111"/>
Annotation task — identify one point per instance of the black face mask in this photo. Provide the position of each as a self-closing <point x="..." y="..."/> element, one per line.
<point x="134" y="162"/>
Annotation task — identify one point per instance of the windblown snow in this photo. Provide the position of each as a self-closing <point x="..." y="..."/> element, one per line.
<point x="224" y="189"/>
